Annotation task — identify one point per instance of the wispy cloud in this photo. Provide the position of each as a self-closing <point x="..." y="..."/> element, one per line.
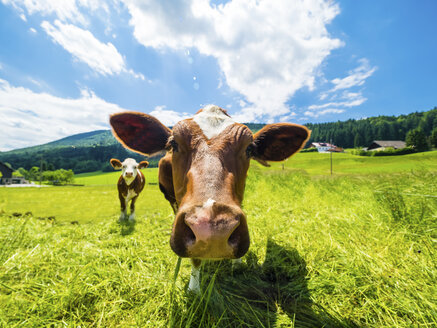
<point x="323" y="112"/>
<point x="65" y="10"/>
<point x="267" y="50"/>
<point x="352" y="103"/>
<point x="339" y="97"/>
<point x="103" y="58"/>
<point x="356" y="77"/>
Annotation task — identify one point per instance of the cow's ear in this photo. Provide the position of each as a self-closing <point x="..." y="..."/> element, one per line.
<point x="276" y="142"/>
<point x="139" y="132"/>
<point x="143" y="164"/>
<point x="116" y="164"/>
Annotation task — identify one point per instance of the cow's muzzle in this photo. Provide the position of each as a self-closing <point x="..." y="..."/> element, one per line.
<point x="215" y="231"/>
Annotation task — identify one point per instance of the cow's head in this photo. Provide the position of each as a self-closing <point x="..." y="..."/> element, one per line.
<point x="129" y="168"/>
<point x="209" y="156"/>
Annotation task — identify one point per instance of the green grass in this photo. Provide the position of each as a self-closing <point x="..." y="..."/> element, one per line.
<point x="352" y="250"/>
<point x="345" y="163"/>
<point x="99" y="178"/>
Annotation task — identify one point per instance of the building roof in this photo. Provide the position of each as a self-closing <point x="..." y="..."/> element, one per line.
<point x="396" y="144"/>
<point x="322" y="144"/>
<point x="6" y="170"/>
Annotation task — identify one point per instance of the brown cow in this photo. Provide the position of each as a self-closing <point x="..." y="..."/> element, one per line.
<point x="204" y="172"/>
<point x="130" y="184"/>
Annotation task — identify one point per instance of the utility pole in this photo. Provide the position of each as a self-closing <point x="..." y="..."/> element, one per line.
<point x="40" y="173"/>
<point x="331" y="154"/>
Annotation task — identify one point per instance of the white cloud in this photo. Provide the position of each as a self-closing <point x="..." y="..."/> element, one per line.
<point x="345" y="100"/>
<point x="267" y="50"/>
<point x="324" y="112"/>
<point x="64" y="10"/>
<point x="339" y="96"/>
<point x="168" y="117"/>
<point x="351" y="103"/>
<point x="30" y="118"/>
<point x="356" y="77"/>
<point x="33" y="30"/>
<point x="102" y="58"/>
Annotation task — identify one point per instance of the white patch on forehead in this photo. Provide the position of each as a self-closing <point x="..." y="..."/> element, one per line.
<point x="212" y="120"/>
<point x="208" y="203"/>
<point x="129" y="162"/>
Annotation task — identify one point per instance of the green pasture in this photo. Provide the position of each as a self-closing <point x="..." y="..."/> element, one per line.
<point x="357" y="249"/>
<point x="309" y="163"/>
<point x="345" y="163"/>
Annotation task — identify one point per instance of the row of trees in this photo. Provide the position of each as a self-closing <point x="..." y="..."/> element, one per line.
<point x="361" y="133"/>
<point x="60" y="176"/>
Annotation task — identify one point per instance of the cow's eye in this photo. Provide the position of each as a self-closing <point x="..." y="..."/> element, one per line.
<point x="172" y="145"/>
<point x="124" y="166"/>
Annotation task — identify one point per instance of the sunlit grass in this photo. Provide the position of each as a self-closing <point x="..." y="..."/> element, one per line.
<point x="347" y="251"/>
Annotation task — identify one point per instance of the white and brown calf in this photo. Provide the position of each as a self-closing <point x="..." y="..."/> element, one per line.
<point x="203" y="174"/>
<point x="130" y="184"/>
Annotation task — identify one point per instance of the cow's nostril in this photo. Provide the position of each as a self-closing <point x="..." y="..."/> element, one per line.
<point x="189" y="236"/>
<point x="234" y="238"/>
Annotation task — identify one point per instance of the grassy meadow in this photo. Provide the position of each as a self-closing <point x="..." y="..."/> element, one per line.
<point x="356" y="249"/>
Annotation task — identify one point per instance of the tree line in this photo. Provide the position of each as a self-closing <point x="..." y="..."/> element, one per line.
<point x="361" y="133"/>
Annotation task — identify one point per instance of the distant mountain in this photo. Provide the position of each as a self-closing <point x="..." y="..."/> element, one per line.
<point x="83" y="152"/>
<point x="87" y="139"/>
<point x="98" y="137"/>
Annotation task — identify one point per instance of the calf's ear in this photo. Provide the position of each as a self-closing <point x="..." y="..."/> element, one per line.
<point x="143" y="164"/>
<point x="116" y="164"/>
<point x="139" y="132"/>
<point x="276" y="142"/>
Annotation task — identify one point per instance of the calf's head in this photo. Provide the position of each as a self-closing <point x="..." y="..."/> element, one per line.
<point x="129" y="168"/>
<point x="209" y="156"/>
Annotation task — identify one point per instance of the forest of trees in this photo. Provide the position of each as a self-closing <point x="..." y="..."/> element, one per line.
<point x="361" y="133"/>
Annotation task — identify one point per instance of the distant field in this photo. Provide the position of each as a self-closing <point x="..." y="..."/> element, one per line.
<point x="309" y="163"/>
<point x="345" y="163"/>
<point x="354" y="250"/>
<point x="100" y="178"/>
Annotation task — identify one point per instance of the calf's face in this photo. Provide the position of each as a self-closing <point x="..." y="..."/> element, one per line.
<point x="210" y="155"/>
<point x="129" y="168"/>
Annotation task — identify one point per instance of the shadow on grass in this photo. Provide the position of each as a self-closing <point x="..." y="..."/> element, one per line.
<point x="253" y="294"/>
<point x="127" y="227"/>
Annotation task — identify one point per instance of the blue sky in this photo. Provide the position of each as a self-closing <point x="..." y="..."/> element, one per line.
<point x="66" y="65"/>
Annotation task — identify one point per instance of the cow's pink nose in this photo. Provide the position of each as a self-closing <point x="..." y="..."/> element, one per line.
<point x="129" y="174"/>
<point x="215" y="230"/>
<point x="212" y="230"/>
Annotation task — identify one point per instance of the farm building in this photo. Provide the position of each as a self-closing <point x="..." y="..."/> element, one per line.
<point x="324" y="147"/>
<point x="7" y="177"/>
<point x="383" y="144"/>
